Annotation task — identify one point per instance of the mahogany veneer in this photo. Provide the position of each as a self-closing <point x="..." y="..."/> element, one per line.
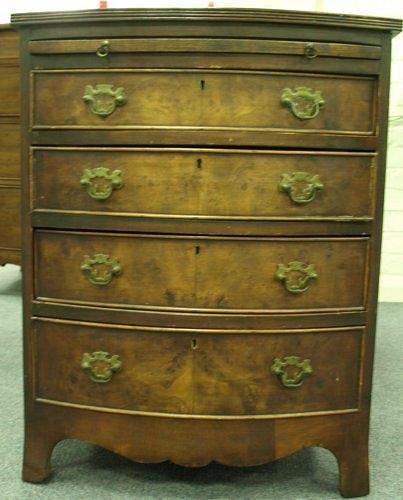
<point x="202" y="222"/>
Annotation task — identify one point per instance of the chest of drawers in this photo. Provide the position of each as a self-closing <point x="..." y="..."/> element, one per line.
<point x="203" y="200"/>
<point x="10" y="184"/>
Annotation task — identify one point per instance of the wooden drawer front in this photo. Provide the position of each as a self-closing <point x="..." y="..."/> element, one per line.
<point x="198" y="373"/>
<point x="9" y="90"/>
<point x="209" y="99"/>
<point x="218" y="274"/>
<point x="10" y="201"/>
<point x="234" y="373"/>
<point x="204" y="183"/>
<point x="155" y="374"/>
<point x="9" y="150"/>
<point x="104" y="48"/>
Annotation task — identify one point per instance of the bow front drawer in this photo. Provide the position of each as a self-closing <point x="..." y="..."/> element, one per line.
<point x="201" y="274"/>
<point x="197" y="101"/>
<point x="204" y="183"/>
<point x="198" y="372"/>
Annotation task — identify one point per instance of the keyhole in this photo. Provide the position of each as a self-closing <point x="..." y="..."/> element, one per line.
<point x="194" y="344"/>
<point x="202" y="84"/>
<point x="199" y="163"/>
<point x="197" y="249"/>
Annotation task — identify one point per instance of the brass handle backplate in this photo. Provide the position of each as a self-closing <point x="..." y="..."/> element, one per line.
<point x="301" y="187"/>
<point x="100" y="269"/>
<point x="100" y="182"/>
<point x="303" y="102"/>
<point x="100" y="365"/>
<point x="292" y="370"/>
<point x="296" y="275"/>
<point x="103" y="99"/>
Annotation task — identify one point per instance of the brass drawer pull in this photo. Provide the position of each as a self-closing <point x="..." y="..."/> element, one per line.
<point x="310" y="51"/>
<point x="301" y="187"/>
<point x="100" y="269"/>
<point x="100" y="182"/>
<point x="303" y="102"/>
<point x="292" y="378"/>
<point x="296" y="275"/>
<point x="103" y="49"/>
<point x="103" y="100"/>
<point x="100" y="366"/>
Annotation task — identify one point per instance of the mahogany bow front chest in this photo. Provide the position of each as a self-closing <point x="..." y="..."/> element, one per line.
<point x="202" y="222"/>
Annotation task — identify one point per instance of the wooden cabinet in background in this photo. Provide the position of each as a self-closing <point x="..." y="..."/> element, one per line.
<point x="10" y="186"/>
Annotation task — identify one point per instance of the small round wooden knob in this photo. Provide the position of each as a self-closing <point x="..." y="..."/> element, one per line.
<point x="310" y="51"/>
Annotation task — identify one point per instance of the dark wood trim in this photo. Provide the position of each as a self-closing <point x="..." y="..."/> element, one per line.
<point x="99" y="222"/>
<point x="210" y="15"/>
<point x="201" y="60"/>
<point x="10" y="183"/>
<point x="206" y="320"/>
<point x="209" y="138"/>
<point x="66" y="404"/>
<point x="10" y="256"/>
<point x="209" y="45"/>
<point x="375" y="251"/>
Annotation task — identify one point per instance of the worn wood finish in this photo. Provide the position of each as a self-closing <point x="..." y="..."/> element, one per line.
<point x="181" y="319"/>
<point x="9" y="44"/>
<point x="9" y="90"/>
<point x="199" y="441"/>
<point x="212" y="60"/>
<point x="213" y="99"/>
<point x="156" y="373"/>
<point x="193" y="225"/>
<point x="312" y="19"/>
<point x="198" y="372"/>
<point x="10" y="198"/>
<point x="233" y="274"/>
<point x="9" y="149"/>
<point x="236" y="424"/>
<point x="257" y="138"/>
<point x="224" y="183"/>
<point x="187" y="45"/>
<point x="231" y="374"/>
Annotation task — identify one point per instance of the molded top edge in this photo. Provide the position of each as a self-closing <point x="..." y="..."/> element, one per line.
<point x="210" y="14"/>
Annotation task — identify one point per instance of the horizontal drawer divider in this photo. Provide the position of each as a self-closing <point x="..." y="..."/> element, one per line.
<point x="144" y="307"/>
<point x="203" y="217"/>
<point x="302" y="320"/>
<point x="198" y="330"/>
